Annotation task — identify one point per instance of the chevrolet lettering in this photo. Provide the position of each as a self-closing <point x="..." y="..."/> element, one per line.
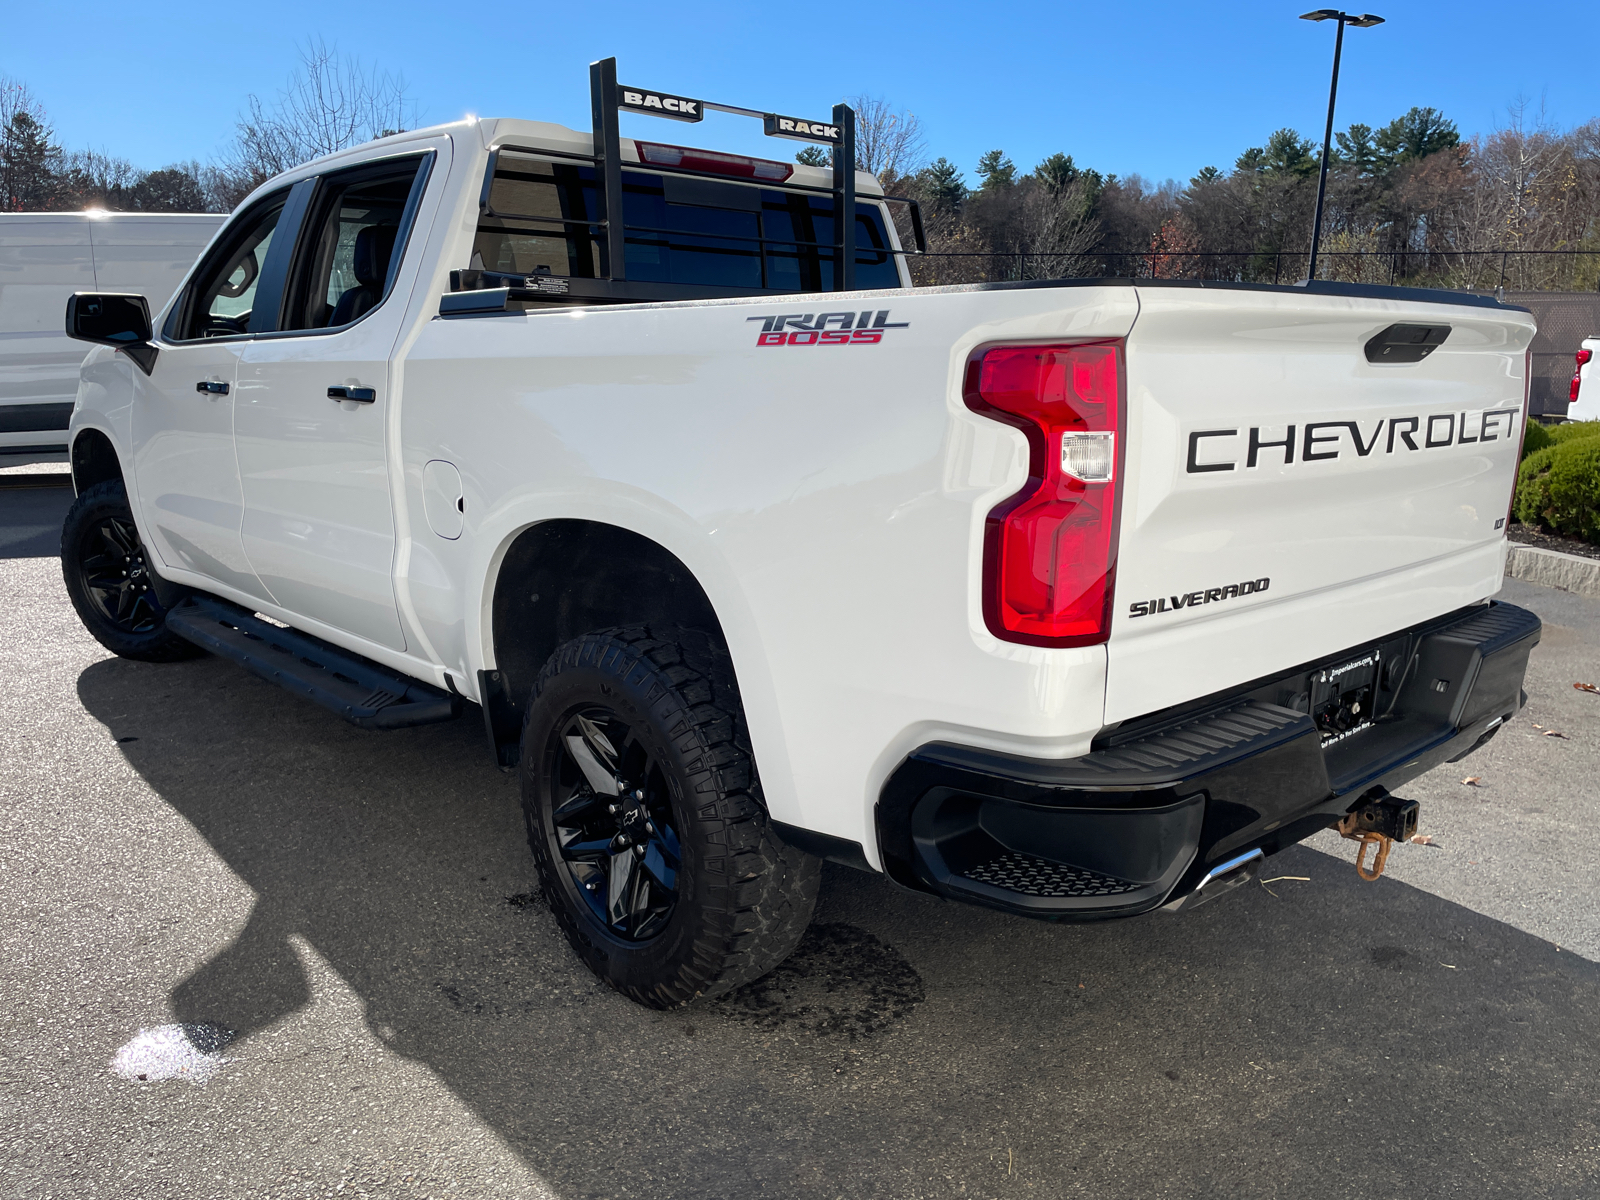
<point x="1324" y="441"/>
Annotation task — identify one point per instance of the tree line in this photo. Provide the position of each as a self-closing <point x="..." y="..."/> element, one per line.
<point x="1408" y="202"/>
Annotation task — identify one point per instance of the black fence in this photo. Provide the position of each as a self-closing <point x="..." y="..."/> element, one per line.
<point x="1479" y="270"/>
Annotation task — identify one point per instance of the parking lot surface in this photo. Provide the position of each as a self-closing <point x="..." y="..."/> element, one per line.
<point x="375" y="1005"/>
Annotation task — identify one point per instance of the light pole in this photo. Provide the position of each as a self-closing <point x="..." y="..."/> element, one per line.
<point x="1361" y="21"/>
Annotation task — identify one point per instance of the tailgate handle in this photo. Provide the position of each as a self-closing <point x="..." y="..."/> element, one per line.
<point x="1406" y="343"/>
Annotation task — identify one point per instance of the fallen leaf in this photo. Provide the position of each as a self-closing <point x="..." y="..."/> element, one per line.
<point x="1556" y="733"/>
<point x="1587" y="687"/>
<point x="1473" y="780"/>
<point x="1422" y="839"/>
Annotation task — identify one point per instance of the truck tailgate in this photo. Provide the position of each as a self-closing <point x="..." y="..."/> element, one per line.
<point x="1285" y="498"/>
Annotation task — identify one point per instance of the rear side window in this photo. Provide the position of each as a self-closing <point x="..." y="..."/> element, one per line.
<point x="541" y="220"/>
<point x="222" y="296"/>
<point x="351" y="244"/>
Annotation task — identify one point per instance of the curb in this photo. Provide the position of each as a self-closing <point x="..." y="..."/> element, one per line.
<point x="1551" y="568"/>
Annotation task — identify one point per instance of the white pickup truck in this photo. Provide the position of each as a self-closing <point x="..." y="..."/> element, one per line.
<point x="1070" y="598"/>
<point x="1584" y="396"/>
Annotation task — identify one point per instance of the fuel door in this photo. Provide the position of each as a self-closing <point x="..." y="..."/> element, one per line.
<point x="443" y="501"/>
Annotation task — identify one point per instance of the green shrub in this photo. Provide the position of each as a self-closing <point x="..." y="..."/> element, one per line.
<point x="1533" y="487"/>
<point x="1575" y="488"/>
<point x="1537" y="437"/>
<point x="1573" y="431"/>
<point x="1558" y="487"/>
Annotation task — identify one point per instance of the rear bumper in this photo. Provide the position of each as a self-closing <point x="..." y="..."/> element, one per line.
<point x="1160" y="803"/>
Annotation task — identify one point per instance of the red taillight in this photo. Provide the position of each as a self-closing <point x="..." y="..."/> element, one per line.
<point x="1583" y="357"/>
<point x="1050" y="550"/>
<point x="736" y="165"/>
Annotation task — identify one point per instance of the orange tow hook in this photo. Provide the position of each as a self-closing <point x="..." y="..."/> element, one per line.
<point x="1379" y="820"/>
<point x="1379" y="861"/>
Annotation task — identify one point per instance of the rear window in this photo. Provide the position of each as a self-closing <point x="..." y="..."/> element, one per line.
<point x="680" y="229"/>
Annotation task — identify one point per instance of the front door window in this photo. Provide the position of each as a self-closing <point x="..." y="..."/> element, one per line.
<point x="224" y="294"/>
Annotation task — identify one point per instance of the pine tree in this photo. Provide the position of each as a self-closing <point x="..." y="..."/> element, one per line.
<point x="1421" y="132"/>
<point x="942" y="178"/>
<point x="1057" y="173"/>
<point x="30" y="164"/>
<point x="997" y="171"/>
<point x="1357" y="148"/>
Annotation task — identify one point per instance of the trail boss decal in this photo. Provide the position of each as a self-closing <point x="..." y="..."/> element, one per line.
<point x="1149" y="608"/>
<point x="826" y="329"/>
<point x="1219" y="449"/>
<point x="659" y="104"/>
<point x="800" y="130"/>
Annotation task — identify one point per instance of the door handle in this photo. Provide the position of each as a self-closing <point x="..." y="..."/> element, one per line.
<point x="359" y="395"/>
<point x="210" y="387"/>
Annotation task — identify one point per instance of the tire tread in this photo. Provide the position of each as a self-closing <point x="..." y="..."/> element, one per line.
<point x="759" y="892"/>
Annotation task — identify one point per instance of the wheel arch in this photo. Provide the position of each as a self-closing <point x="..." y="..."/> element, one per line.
<point x="659" y="567"/>
<point x="561" y="578"/>
<point x="94" y="459"/>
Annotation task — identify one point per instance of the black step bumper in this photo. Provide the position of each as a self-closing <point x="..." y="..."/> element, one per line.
<point x="1160" y="803"/>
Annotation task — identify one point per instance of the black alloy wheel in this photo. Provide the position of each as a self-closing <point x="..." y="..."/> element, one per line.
<point x="110" y="579"/>
<point x="645" y="817"/>
<point x="111" y="560"/>
<point x="614" y="823"/>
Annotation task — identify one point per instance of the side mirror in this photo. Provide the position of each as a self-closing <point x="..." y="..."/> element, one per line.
<point x="116" y="320"/>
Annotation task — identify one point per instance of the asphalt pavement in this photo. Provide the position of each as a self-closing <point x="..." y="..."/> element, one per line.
<point x="250" y="951"/>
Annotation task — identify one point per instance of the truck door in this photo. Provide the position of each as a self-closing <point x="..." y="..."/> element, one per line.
<point x="187" y="479"/>
<point x="314" y="401"/>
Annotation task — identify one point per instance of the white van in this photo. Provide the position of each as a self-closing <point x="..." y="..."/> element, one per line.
<point x="44" y="258"/>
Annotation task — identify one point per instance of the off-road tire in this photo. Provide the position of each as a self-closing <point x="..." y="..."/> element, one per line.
<point x="744" y="898"/>
<point x="143" y="632"/>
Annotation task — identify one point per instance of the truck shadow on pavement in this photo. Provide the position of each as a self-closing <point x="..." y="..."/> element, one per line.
<point x="1305" y="1043"/>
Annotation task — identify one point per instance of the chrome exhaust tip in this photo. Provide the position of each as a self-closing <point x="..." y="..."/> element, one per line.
<point x="1223" y="877"/>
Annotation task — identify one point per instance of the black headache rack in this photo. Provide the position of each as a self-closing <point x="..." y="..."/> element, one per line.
<point x="478" y="290"/>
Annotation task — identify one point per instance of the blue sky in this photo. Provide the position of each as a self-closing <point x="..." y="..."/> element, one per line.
<point x="1158" y="89"/>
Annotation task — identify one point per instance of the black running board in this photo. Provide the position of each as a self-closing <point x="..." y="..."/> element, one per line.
<point x="358" y="689"/>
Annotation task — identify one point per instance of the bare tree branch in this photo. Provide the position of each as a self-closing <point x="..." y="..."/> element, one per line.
<point x="332" y="102"/>
<point x="889" y="141"/>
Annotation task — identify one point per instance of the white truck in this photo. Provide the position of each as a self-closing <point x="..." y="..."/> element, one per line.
<point x="1072" y="598"/>
<point x="46" y="257"/>
<point x="1583" y="397"/>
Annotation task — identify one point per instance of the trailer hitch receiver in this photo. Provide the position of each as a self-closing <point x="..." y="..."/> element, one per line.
<point x="1378" y="820"/>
